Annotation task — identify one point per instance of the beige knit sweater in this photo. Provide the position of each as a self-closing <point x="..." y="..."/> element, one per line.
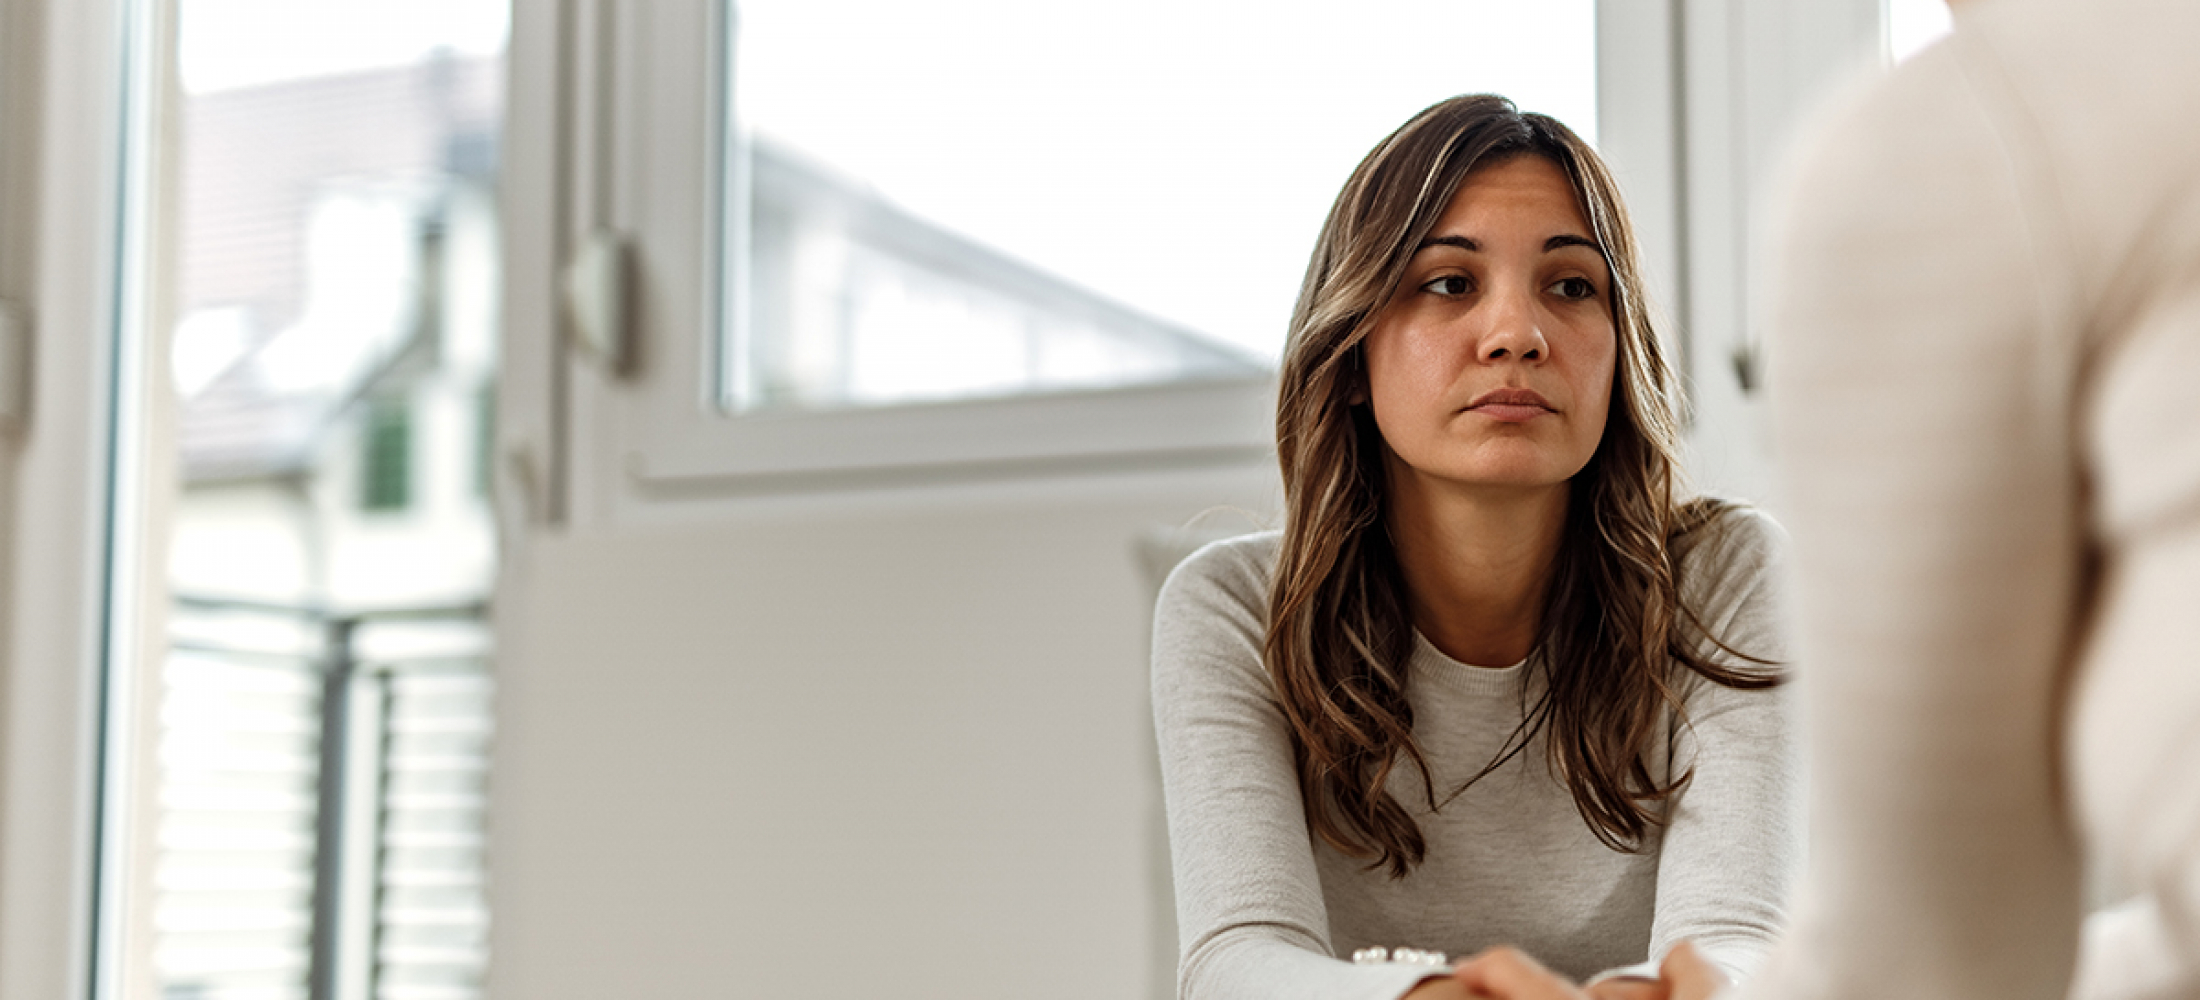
<point x="1266" y="912"/>
<point x="1986" y="323"/>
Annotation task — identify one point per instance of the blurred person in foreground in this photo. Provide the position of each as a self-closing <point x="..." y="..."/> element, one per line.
<point x="1986" y="319"/>
<point x="1498" y="679"/>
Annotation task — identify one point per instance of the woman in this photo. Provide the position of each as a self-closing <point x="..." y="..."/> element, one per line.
<point x="1492" y="683"/>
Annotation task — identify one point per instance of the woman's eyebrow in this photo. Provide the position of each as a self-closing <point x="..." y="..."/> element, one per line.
<point x="1555" y="242"/>
<point x="1461" y="242"/>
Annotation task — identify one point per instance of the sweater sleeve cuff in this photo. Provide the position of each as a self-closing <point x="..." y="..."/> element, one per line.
<point x="1639" y="970"/>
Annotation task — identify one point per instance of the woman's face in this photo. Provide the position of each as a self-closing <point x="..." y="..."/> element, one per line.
<point x="1492" y="364"/>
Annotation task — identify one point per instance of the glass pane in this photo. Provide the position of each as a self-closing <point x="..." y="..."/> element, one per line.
<point x="985" y="197"/>
<point x="1915" y="24"/>
<point x="323" y="702"/>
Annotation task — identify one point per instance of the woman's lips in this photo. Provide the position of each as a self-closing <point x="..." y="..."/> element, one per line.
<point x="1511" y="413"/>
<point x="1511" y="405"/>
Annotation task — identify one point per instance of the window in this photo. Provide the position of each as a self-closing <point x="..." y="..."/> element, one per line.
<point x="385" y="467"/>
<point x="323" y="679"/>
<point x="972" y="198"/>
<point x="960" y="162"/>
<point x="906" y="244"/>
<point x="1914" y="24"/>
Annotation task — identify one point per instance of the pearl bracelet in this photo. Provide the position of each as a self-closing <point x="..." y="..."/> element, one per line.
<point x="1399" y="956"/>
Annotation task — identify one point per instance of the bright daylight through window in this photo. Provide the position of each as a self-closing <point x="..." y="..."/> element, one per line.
<point x="1915" y="24"/>
<point x="975" y="198"/>
<point x="321" y="742"/>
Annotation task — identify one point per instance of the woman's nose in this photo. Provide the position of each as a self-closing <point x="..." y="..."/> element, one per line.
<point x="1514" y="331"/>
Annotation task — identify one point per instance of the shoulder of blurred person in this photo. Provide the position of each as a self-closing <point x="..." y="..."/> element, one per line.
<point x="2036" y="173"/>
<point x="2071" y="117"/>
<point x="1974" y="391"/>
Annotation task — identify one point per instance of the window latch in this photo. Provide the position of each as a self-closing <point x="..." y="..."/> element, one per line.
<point x="597" y="283"/>
<point x="15" y="359"/>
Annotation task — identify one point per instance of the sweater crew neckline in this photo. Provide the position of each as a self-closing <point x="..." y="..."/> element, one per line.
<point x="1432" y="664"/>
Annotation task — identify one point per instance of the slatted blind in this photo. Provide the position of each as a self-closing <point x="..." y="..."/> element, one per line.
<point x="239" y="760"/>
<point x="431" y="914"/>
<point x="233" y="883"/>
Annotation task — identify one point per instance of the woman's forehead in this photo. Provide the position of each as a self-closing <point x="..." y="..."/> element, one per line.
<point x="1524" y="190"/>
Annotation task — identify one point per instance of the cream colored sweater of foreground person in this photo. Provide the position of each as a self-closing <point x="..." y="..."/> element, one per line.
<point x="1987" y="385"/>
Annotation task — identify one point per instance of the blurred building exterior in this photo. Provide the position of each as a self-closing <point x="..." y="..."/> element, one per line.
<point x="854" y="301"/>
<point x="337" y="340"/>
<point x="335" y="359"/>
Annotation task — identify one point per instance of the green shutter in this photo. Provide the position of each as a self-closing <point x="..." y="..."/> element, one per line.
<point x="485" y="438"/>
<point x="386" y="471"/>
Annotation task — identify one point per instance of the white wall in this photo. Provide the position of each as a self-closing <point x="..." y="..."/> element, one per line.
<point x="895" y="743"/>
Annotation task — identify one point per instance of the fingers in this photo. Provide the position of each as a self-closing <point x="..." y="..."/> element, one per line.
<point x="1628" y="988"/>
<point x="1507" y="973"/>
<point x="1690" y="975"/>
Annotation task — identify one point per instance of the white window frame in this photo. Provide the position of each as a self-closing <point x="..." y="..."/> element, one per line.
<point x="615" y="126"/>
<point x="78" y="92"/>
<point x="641" y="146"/>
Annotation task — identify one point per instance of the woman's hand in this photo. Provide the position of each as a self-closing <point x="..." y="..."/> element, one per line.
<point x="1446" y="988"/>
<point x="1507" y="973"/>
<point x="1628" y="988"/>
<point x="1690" y="976"/>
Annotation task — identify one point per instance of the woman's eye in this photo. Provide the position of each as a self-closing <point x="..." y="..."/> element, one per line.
<point x="1575" y="288"/>
<point x="1449" y="285"/>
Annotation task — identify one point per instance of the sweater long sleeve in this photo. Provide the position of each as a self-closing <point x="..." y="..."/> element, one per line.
<point x="1266" y="911"/>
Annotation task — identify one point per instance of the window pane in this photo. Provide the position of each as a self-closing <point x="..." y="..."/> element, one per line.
<point x="1915" y="24"/>
<point x="320" y="751"/>
<point x="985" y="197"/>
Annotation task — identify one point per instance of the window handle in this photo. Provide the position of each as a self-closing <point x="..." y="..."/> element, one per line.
<point x="15" y="359"/>
<point x="597" y="283"/>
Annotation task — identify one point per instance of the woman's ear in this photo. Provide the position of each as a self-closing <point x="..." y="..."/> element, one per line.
<point x="1355" y="375"/>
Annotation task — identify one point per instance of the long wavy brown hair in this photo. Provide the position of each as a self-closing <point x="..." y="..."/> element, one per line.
<point x="1614" y="635"/>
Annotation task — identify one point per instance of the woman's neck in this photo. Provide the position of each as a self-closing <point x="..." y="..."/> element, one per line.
<point x="1477" y="562"/>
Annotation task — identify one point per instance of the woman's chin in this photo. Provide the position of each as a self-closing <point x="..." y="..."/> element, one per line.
<point x="1525" y="479"/>
<point x="1513" y="465"/>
